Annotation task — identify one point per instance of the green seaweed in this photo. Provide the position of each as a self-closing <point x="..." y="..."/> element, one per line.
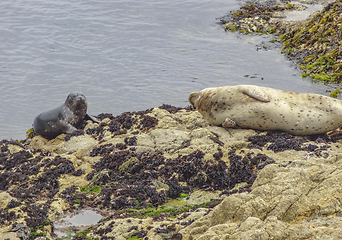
<point x="233" y="28"/>
<point x="182" y="195"/>
<point x="84" y="233"/>
<point x="169" y="211"/>
<point x="333" y="94"/>
<point x="29" y="133"/>
<point x="134" y="238"/>
<point x="103" y="219"/>
<point x="34" y="234"/>
<point x="94" y="189"/>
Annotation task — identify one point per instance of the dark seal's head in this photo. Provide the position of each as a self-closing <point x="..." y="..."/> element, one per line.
<point x="76" y="102"/>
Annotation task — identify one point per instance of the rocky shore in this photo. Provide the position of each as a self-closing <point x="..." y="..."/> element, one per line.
<point x="313" y="43"/>
<point x="165" y="173"/>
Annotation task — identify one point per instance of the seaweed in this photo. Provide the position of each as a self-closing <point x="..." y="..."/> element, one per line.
<point x="122" y="123"/>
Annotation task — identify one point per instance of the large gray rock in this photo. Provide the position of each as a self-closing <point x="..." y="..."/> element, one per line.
<point x="299" y="201"/>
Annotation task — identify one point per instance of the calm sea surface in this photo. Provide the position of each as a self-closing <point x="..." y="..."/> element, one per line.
<point x="125" y="56"/>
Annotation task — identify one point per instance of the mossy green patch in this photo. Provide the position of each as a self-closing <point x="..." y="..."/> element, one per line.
<point x="182" y="195"/>
<point x="134" y="238"/>
<point x="84" y="233"/>
<point x="103" y="219"/>
<point x="33" y="234"/>
<point x="94" y="189"/>
<point x="169" y="211"/>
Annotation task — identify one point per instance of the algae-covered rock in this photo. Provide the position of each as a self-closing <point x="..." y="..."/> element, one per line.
<point x="159" y="174"/>
<point x="298" y="201"/>
<point x="316" y="45"/>
<point x="313" y="43"/>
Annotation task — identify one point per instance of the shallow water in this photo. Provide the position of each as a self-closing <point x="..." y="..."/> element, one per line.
<point x="125" y="56"/>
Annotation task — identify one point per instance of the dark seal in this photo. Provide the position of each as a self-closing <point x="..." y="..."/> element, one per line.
<point x="63" y="119"/>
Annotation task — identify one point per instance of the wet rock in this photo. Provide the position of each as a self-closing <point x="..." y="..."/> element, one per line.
<point x="302" y="198"/>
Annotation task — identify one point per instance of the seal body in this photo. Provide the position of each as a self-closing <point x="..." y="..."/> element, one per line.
<point x="63" y="119"/>
<point x="262" y="108"/>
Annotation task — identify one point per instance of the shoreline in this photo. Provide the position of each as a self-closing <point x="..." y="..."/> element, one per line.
<point x="313" y="43"/>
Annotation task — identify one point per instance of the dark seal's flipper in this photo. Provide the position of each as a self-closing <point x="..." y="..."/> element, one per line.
<point x="92" y="118"/>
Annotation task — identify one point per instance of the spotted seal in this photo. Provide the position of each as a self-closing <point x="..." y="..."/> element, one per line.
<point x="262" y="108"/>
<point x="63" y="119"/>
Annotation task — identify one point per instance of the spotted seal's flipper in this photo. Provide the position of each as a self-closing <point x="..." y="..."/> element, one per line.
<point x="228" y="123"/>
<point x="257" y="94"/>
<point x="92" y="118"/>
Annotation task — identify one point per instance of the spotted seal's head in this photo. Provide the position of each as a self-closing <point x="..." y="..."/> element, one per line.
<point x="200" y="99"/>
<point x="193" y="99"/>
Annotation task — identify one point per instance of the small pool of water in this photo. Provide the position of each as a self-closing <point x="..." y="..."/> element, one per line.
<point x="82" y="220"/>
<point x="303" y="15"/>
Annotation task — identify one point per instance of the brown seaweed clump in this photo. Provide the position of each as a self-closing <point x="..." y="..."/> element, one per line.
<point x="131" y="179"/>
<point x="281" y="141"/>
<point x="29" y="179"/>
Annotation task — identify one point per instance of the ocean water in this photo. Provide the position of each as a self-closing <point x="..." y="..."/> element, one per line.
<point x="125" y="56"/>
